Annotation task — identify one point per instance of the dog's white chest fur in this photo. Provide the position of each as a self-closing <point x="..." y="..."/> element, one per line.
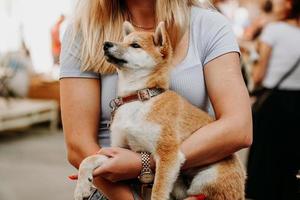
<point x="131" y="128"/>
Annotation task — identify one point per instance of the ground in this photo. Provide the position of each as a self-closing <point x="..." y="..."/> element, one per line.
<point x="33" y="166"/>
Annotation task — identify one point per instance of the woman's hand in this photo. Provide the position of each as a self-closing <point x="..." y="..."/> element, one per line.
<point x="257" y="76"/>
<point x="122" y="164"/>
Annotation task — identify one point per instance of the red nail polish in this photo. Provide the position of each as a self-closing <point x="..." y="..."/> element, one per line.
<point x="200" y="197"/>
<point x="73" y="177"/>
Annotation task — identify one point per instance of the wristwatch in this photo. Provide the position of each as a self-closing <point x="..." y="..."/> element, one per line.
<point x="146" y="176"/>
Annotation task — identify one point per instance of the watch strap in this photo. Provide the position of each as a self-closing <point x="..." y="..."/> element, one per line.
<point x="146" y="164"/>
<point x="146" y="176"/>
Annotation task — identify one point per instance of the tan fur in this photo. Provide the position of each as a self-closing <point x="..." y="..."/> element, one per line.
<point x="230" y="184"/>
<point x="179" y="119"/>
<point x="179" y="122"/>
<point x="181" y="115"/>
<point x="162" y="123"/>
<point x="159" y="77"/>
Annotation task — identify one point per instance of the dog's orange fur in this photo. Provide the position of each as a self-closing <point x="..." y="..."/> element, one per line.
<point x="160" y="76"/>
<point x="176" y="115"/>
<point x="179" y="119"/>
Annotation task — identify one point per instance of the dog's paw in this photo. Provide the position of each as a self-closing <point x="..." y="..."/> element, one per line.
<point x="83" y="190"/>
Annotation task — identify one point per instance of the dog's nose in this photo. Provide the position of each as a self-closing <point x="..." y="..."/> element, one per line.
<point x="107" y="45"/>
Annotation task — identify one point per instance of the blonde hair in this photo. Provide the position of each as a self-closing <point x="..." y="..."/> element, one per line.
<point x="101" y="20"/>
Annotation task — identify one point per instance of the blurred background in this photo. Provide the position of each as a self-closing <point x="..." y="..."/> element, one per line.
<point x="33" y="162"/>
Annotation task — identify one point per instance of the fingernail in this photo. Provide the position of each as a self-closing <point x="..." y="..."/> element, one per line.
<point x="97" y="152"/>
<point x="73" y="177"/>
<point x="200" y="197"/>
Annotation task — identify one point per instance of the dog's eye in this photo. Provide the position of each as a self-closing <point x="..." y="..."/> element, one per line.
<point x="135" y="45"/>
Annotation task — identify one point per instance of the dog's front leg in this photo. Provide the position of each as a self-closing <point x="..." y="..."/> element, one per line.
<point x="85" y="175"/>
<point x="168" y="165"/>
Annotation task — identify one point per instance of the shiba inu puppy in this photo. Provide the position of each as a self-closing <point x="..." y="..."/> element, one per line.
<point x="148" y="117"/>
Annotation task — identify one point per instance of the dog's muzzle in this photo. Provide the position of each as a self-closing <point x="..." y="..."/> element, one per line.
<point x="107" y="46"/>
<point x="109" y="55"/>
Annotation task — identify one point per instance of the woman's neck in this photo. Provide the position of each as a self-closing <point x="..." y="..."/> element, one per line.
<point x="293" y="22"/>
<point x="141" y="12"/>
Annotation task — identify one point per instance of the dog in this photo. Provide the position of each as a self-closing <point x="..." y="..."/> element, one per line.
<point x="159" y="124"/>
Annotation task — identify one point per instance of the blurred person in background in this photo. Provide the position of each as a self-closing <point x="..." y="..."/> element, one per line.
<point x="201" y="67"/>
<point x="56" y="39"/>
<point x="19" y="64"/>
<point x="236" y="12"/>
<point x="249" y="40"/>
<point x="226" y="7"/>
<point x="257" y="25"/>
<point x="275" y="154"/>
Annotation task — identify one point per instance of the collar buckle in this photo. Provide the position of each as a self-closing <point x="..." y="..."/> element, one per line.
<point x="115" y="103"/>
<point x="144" y="94"/>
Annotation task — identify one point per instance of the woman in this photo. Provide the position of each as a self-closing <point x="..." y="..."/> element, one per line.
<point x="274" y="157"/>
<point x="204" y="47"/>
<point x="266" y="16"/>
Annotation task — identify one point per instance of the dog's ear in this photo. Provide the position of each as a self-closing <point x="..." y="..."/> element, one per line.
<point x="127" y="28"/>
<point x="160" y="35"/>
<point x="162" y="40"/>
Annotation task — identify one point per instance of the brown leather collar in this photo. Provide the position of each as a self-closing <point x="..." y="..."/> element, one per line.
<point x="140" y="95"/>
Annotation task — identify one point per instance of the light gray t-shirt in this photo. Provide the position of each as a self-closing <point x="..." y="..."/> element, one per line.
<point x="285" y="42"/>
<point x="210" y="37"/>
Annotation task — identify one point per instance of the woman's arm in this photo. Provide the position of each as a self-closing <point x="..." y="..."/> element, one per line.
<point x="260" y="69"/>
<point x="80" y="106"/>
<point x="232" y="129"/>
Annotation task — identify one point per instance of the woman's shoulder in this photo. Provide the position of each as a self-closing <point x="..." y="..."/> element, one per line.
<point x="71" y="37"/>
<point x="280" y="29"/>
<point x="70" y="56"/>
<point x="274" y="25"/>
<point x="280" y="25"/>
<point x="207" y="17"/>
<point x="212" y="33"/>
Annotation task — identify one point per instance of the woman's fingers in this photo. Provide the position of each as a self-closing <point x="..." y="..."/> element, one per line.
<point x="109" y="152"/>
<point x="96" y="173"/>
<point x="73" y="177"/>
<point x="100" y="170"/>
<point x="117" y="166"/>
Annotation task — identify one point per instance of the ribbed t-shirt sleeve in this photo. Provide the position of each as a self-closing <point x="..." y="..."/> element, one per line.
<point x="217" y="37"/>
<point x="70" y="62"/>
<point x="268" y="35"/>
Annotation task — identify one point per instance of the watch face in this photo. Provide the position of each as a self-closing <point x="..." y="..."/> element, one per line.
<point x="147" y="177"/>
